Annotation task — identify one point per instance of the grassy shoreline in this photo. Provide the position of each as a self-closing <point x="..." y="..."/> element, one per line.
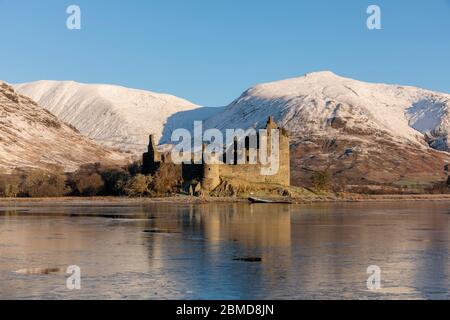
<point x="206" y="200"/>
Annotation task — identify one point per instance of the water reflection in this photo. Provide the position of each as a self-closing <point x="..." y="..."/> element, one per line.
<point x="195" y="251"/>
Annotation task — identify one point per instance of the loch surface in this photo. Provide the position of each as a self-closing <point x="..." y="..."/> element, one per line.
<point x="224" y="251"/>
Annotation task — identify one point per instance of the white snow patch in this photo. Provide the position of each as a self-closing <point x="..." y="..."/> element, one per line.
<point x="112" y="115"/>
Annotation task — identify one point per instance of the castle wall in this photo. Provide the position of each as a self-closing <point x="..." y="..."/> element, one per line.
<point x="252" y="172"/>
<point x="151" y="160"/>
<point x="211" y="175"/>
<point x="285" y="160"/>
<point x="149" y="166"/>
<point x="193" y="172"/>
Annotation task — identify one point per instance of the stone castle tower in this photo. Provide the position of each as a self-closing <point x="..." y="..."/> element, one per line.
<point x="211" y="175"/>
<point x="152" y="158"/>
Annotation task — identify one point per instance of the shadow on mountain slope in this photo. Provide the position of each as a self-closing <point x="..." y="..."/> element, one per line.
<point x="185" y="120"/>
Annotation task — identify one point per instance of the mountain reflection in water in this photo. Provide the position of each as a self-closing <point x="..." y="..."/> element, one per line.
<point x="225" y="251"/>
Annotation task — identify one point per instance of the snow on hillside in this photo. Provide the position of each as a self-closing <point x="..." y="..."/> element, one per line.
<point x="324" y="104"/>
<point x="112" y="115"/>
<point x="32" y="137"/>
<point x="317" y="104"/>
<point x="364" y="133"/>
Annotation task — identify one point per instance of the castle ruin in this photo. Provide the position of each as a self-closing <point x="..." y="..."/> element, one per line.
<point x="211" y="175"/>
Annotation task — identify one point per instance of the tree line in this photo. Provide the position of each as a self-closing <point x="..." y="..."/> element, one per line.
<point x="91" y="180"/>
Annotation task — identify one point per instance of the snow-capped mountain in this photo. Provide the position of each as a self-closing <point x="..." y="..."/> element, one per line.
<point x="32" y="137"/>
<point x="111" y="115"/>
<point x="375" y="132"/>
<point x="324" y="103"/>
<point x="363" y="133"/>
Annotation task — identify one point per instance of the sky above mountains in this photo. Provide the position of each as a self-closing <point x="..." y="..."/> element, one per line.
<point x="210" y="51"/>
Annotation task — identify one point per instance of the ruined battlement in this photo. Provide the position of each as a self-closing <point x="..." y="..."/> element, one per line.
<point x="211" y="175"/>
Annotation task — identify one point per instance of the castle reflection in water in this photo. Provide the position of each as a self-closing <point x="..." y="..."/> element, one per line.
<point x="196" y="251"/>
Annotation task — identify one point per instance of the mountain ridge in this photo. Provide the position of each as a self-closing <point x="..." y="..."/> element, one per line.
<point x="112" y="115"/>
<point x="32" y="137"/>
<point x="341" y="98"/>
<point x="364" y="133"/>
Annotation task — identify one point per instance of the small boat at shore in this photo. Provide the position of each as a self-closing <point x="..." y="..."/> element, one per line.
<point x="259" y="200"/>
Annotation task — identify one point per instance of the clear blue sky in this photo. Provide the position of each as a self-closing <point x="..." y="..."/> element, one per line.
<point x="209" y="51"/>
